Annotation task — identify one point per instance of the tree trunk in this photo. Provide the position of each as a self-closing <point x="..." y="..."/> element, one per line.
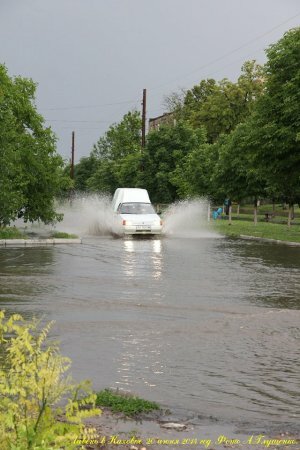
<point x="229" y="219"/>
<point x="238" y="210"/>
<point x="255" y="212"/>
<point x="273" y="205"/>
<point x="208" y="213"/>
<point x="290" y="215"/>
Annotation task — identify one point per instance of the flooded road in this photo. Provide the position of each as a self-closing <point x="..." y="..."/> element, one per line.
<point x="208" y="327"/>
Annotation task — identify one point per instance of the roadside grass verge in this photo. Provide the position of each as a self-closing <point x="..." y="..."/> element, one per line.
<point x="128" y="404"/>
<point x="277" y="219"/>
<point x="263" y="208"/>
<point x="11" y="233"/>
<point x="15" y="233"/>
<point x="62" y="235"/>
<point x="262" y="229"/>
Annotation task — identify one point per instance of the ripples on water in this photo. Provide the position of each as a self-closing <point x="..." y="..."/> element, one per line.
<point x="201" y="324"/>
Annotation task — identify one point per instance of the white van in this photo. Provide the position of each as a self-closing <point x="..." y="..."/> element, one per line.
<point x="135" y="211"/>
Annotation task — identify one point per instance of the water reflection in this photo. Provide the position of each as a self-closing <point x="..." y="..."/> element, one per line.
<point x="16" y="261"/>
<point x="140" y="363"/>
<point x="142" y="258"/>
<point x="157" y="259"/>
<point x="190" y="323"/>
<point x="23" y="281"/>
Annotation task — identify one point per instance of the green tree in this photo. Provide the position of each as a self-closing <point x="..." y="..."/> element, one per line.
<point x="104" y="179"/>
<point x="121" y="139"/>
<point x="31" y="170"/>
<point x="276" y="121"/>
<point x="220" y="106"/>
<point x="164" y="154"/>
<point x="192" y="177"/>
<point x="235" y="175"/>
<point x="84" y="170"/>
<point x="128" y="170"/>
<point x="117" y="156"/>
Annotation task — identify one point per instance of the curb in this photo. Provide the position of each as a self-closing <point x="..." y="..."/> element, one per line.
<point x="274" y="241"/>
<point x="36" y="242"/>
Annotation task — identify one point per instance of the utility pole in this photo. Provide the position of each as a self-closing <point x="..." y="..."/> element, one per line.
<point x="71" y="193"/>
<point x="72" y="156"/>
<point x="144" y="119"/>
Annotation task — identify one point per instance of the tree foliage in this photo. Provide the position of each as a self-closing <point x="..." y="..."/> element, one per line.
<point x="164" y="155"/>
<point x="115" y="159"/>
<point x="276" y="123"/>
<point x="121" y="139"/>
<point x="254" y="125"/>
<point x="238" y="139"/>
<point x="220" y="106"/>
<point x="31" y="170"/>
<point x="83" y="171"/>
<point x="235" y="175"/>
<point x="33" y="383"/>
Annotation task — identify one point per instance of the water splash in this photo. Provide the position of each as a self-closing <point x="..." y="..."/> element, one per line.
<point x="92" y="215"/>
<point x="188" y="219"/>
<point x="89" y="215"/>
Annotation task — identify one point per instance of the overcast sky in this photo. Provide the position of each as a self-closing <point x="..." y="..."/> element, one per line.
<point x="92" y="58"/>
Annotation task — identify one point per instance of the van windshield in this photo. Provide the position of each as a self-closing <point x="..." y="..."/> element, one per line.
<point x="136" y="208"/>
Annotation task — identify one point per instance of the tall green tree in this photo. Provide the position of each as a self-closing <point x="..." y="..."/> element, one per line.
<point x="84" y="170"/>
<point x="104" y="179"/>
<point x="121" y="139"/>
<point x="276" y="122"/>
<point x="31" y="171"/>
<point x="235" y="175"/>
<point x="220" y="106"/>
<point x="193" y="175"/>
<point x="117" y="156"/>
<point x="165" y="153"/>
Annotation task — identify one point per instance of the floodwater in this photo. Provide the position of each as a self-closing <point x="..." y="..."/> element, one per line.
<point x="208" y="327"/>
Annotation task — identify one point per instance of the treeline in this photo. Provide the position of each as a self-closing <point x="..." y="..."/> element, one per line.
<point x="225" y="139"/>
<point x="31" y="174"/>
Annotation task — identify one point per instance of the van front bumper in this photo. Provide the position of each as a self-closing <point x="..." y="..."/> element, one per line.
<point x="142" y="229"/>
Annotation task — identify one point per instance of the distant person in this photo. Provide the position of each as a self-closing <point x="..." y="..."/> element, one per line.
<point x="227" y="204"/>
<point x="217" y="213"/>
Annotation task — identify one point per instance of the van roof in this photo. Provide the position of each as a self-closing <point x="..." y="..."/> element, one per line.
<point x="128" y="195"/>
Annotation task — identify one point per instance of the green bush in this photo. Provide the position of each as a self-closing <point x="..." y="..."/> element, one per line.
<point x="33" y="383"/>
<point x="11" y="233"/>
<point x="128" y="404"/>
<point x="62" y="235"/>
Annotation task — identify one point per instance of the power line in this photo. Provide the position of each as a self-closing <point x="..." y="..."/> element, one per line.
<point x="230" y="64"/>
<point x="63" y="108"/>
<point x="228" y="53"/>
<point x="78" y="128"/>
<point x="144" y="118"/>
<point x="77" y="121"/>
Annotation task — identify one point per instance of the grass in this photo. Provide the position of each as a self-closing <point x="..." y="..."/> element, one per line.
<point x="127" y="404"/>
<point x="14" y="233"/>
<point x="267" y="230"/>
<point x="279" y="219"/>
<point x="266" y="208"/>
<point x="62" y="235"/>
<point x="11" y="233"/>
<point x="280" y="214"/>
